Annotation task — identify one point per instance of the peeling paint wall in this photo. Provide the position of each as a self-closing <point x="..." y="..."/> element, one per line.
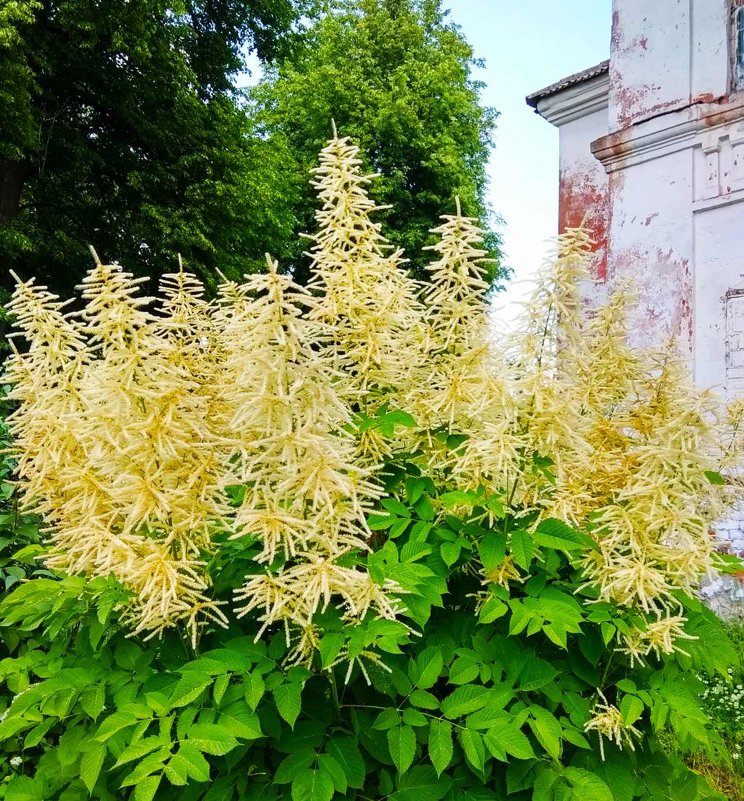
<point x="649" y="71"/>
<point x="660" y="170"/>
<point x="584" y="186"/>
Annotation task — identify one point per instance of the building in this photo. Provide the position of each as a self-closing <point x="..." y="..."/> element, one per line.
<point x="652" y="145"/>
<point x="652" y="148"/>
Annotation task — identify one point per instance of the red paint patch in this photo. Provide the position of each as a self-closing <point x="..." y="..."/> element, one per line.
<point x="583" y="200"/>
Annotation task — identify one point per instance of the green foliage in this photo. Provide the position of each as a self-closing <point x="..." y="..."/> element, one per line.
<point x="484" y="697"/>
<point x="396" y="76"/>
<point x="122" y="128"/>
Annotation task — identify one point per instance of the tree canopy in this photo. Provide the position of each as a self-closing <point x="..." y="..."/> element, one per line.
<point x="122" y="128"/>
<point x="396" y="76"/>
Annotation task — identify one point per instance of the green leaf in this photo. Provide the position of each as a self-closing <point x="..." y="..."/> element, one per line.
<point x="23" y="788"/>
<point x="241" y="723"/>
<point x="328" y="764"/>
<point x="464" y="670"/>
<point x="70" y="743"/>
<point x="346" y="752"/>
<point x="91" y="764"/>
<point x="450" y="552"/>
<point x="210" y="738"/>
<point x="429" y="664"/>
<point x="113" y="724"/>
<point x="587" y="785"/>
<point x="464" y="700"/>
<point x="506" y="738"/>
<point x="138" y="749"/>
<point x="402" y="744"/>
<point x="472" y="745"/>
<point x="492" y="550"/>
<point x="220" y="687"/>
<point x="492" y="609"/>
<point x="631" y="708"/>
<point x="440" y="744"/>
<point x="312" y="785"/>
<point x="146" y="789"/>
<point x="253" y="689"/>
<point x="552" y="533"/>
<point x="715" y="478"/>
<point x="293" y="765"/>
<point x="189" y="688"/>
<point x="396" y="507"/>
<point x="92" y="700"/>
<point x="329" y="648"/>
<point x="421" y="784"/>
<point x="522" y="547"/>
<point x="288" y="700"/>
<point x="192" y="762"/>
<point x="547" y="730"/>
<point x="424" y="700"/>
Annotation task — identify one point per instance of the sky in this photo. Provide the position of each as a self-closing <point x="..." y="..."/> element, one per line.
<point x="527" y="45"/>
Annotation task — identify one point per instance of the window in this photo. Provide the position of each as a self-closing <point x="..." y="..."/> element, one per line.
<point x="737" y="49"/>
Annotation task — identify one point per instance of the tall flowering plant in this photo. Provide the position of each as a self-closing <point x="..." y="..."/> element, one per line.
<point x="337" y="541"/>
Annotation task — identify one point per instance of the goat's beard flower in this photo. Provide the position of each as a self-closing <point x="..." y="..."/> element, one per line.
<point x="608" y="722"/>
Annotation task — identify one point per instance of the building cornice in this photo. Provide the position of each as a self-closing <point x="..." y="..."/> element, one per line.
<point x="575" y="101"/>
<point x="665" y="134"/>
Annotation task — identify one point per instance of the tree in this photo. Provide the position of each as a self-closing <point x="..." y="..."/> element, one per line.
<point x="122" y="129"/>
<point x="396" y="76"/>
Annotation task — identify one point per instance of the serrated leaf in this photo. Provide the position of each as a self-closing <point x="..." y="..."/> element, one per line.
<point x="506" y="738"/>
<point x="588" y="785"/>
<point x="450" y="552"/>
<point x="552" y="533"/>
<point x="91" y="764"/>
<point x="146" y="789"/>
<point x="288" y="700"/>
<point x="253" y="689"/>
<point x="193" y="762"/>
<point x="631" y="708"/>
<point x="464" y="700"/>
<point x="328" y="764"/>
<point x="492" y="550"/>
<point x="92" y="700"/>
<point x="547" y="730"/>
<point x="221" y="684"/>
<point x="211" y="738"/>
<point x="24" y="788"/>
<point x="424" y="700"/>
<point x="312" y="785"/>
<point x="346" y="752"/>
<point x="293" y="765"/>
<point x="329" y="648"/>
<point x="421" y="784"/>
<point x="429" y="664"/>
<point x="113" y="724"/>
<point x="402" y="745"/>
<point x="243" y="724"/>
<point x="138" y="749"/>
<point x="189" y="688"/>
<point x="492" y="609"/>
<point x="440" y="744"/>
<point x="472" y="745"/>
<point x="522" y="547"/>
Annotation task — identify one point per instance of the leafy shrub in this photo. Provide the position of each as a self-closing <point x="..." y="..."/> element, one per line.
<point x="332" y="543"/>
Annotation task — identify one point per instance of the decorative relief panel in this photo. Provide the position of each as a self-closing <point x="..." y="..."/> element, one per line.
<point x="735" y="342"/>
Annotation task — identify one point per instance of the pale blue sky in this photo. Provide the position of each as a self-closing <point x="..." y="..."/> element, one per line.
<point x="528" y="44"/>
